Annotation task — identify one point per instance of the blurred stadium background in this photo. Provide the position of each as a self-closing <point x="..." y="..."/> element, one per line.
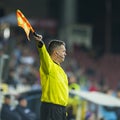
<point x="91" y="30"/>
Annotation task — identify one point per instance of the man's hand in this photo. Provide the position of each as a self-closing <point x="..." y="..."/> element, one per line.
<point x="37" y="36"/>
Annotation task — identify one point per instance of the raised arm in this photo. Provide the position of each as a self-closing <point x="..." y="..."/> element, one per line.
<point x="45" y="59"/>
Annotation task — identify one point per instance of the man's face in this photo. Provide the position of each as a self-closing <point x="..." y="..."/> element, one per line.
<point x="7" y="101"/>
<point x="61" y="53"/>
<point x="23" y="102"/>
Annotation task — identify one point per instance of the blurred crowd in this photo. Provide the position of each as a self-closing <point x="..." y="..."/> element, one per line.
<point x="22" y="65"/>
<point x="19" y="112"/>
<point x="86" y="71"/>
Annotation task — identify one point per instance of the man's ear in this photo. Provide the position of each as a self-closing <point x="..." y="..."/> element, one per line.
<point x="54" y="52"/>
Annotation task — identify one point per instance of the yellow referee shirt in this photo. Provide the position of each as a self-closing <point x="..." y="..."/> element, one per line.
<point x="54" y="81"/>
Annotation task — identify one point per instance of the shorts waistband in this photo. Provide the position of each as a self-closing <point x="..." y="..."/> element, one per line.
<point x="46" y="103"/>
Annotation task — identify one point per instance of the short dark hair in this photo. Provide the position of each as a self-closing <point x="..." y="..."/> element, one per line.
<point x="7" y="96"/>
<point x="20" y="98"/>
<point x="54" y="44"/>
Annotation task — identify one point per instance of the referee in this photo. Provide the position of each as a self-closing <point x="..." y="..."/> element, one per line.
<point x="54" y="81"/>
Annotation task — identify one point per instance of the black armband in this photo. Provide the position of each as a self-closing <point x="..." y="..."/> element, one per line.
<point x="40" y="44"/>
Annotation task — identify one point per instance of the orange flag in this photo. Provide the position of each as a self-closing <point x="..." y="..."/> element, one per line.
<point x="24" y="23"/>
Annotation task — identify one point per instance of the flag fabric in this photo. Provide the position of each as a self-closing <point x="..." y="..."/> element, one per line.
<point x="24" y="23"/>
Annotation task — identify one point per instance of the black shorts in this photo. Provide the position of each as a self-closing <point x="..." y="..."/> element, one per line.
<point x="49" y="111"/>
